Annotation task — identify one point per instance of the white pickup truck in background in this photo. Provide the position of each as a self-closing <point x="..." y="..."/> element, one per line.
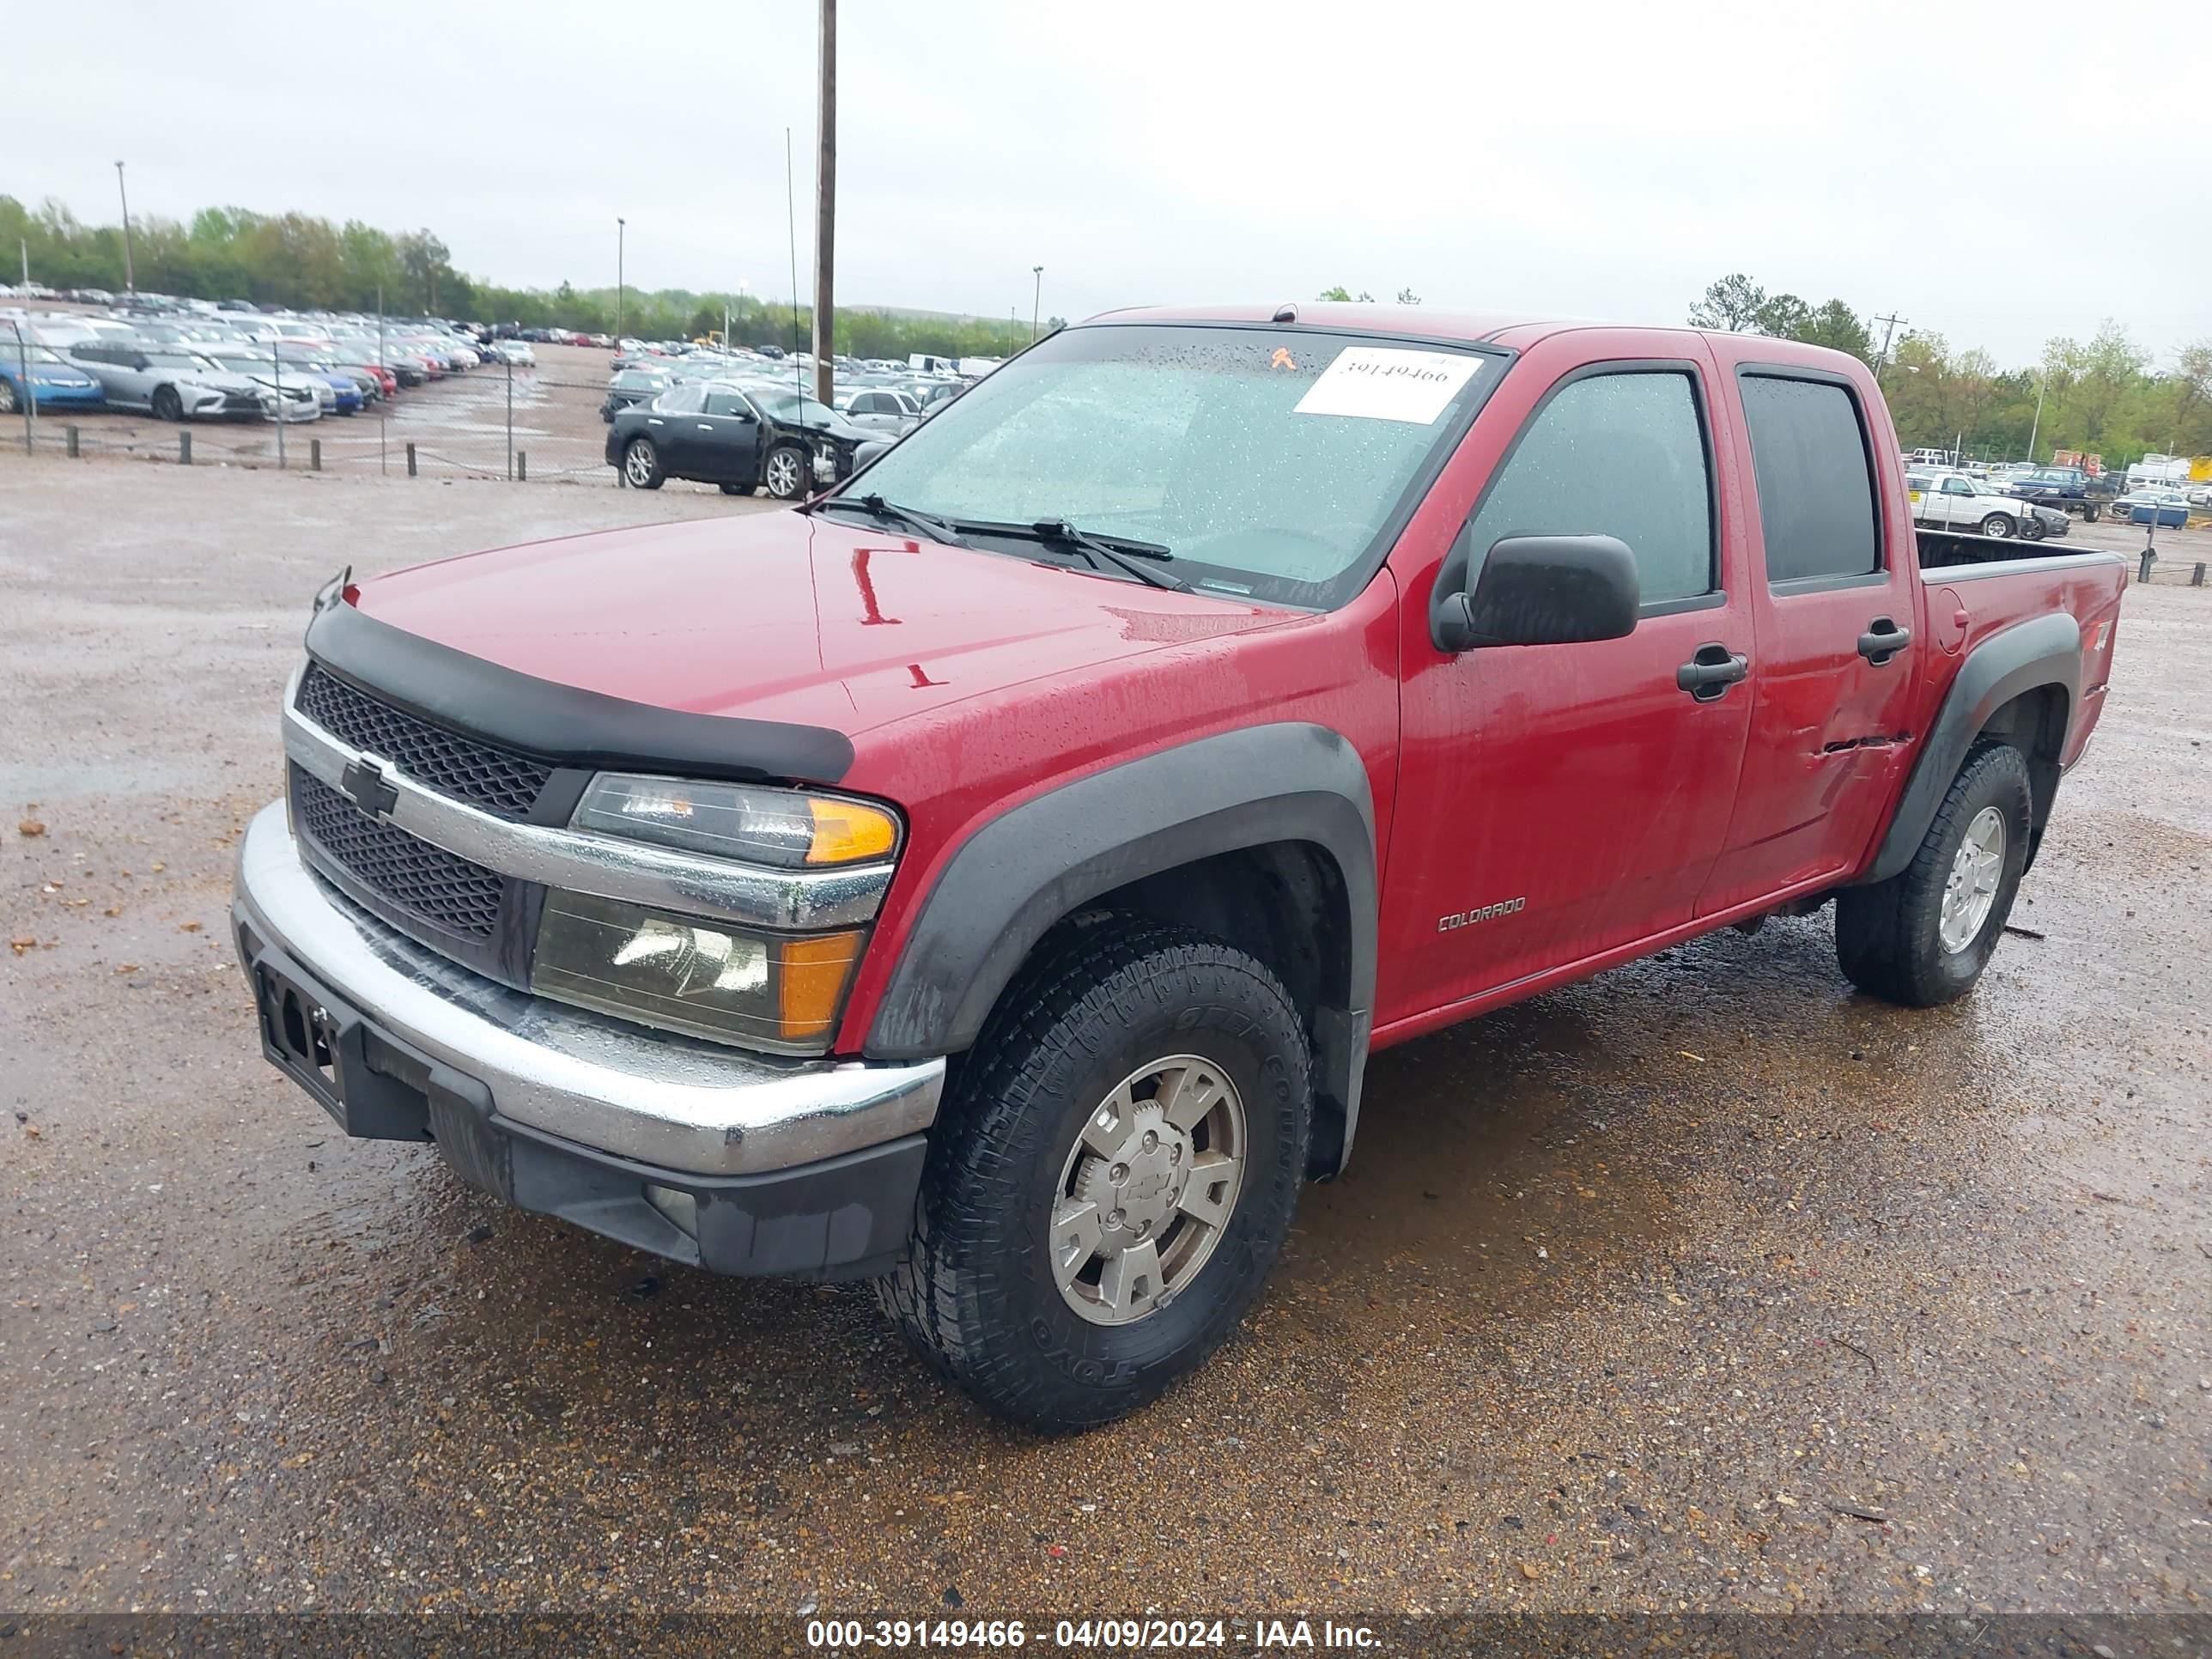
<point x="1955" y="500"/>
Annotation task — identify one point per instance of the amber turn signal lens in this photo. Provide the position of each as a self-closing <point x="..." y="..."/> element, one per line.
<point x="812" y="982"/>
<point x="846" y="831"/>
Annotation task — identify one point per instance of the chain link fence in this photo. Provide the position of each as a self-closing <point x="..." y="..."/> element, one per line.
<point x="526" y="423"/>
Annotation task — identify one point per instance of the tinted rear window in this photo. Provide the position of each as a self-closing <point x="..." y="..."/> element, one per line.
<point x="1816" y="495"/>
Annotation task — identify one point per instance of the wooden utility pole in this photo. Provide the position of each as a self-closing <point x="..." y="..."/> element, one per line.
<point x="825" y="209"/>
<point x="1889" y="326"/>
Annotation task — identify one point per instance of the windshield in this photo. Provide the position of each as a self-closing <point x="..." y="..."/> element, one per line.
<point x="1270" y="461"/>
<point x="789" y="405"/>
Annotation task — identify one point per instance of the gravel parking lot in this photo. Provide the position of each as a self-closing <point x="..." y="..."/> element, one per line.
<point x="1706" y="1284"/>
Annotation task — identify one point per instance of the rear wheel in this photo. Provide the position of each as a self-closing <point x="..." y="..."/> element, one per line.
<point x="739" y="489"/>
<point x="1113" y="1178"/>
<point x="167" y="406"/>
<point x="642" y="465"/>
<point x="784" y="473"/>
<point x="1923" y="937"/>
<point x="1996" y="526"/>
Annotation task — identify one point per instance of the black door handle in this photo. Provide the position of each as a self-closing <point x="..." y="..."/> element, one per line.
<point x="1883" y="640"/>
<point x="1710" y="673"/>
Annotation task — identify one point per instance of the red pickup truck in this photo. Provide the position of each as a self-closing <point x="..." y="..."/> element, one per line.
<point x="991" y="876"/>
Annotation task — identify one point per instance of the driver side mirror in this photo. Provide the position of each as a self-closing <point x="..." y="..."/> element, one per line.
<point x="1537" y="590"/>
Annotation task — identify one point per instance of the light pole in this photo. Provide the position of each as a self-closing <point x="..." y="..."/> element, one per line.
<point x="129" y="280"/>
<point x="1036" y="301"/>
<point x="621" y="231"/>
<point x="2041" y="386"/>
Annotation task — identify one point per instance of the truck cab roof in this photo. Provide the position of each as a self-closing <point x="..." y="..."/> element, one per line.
<point x="1515" y="332"/>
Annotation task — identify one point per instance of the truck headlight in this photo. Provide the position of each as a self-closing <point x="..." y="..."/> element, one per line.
<point x="679" y="973"/>
<point x="783" y="827"/>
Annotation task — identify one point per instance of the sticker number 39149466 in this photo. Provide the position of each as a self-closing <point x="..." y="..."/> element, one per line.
<point x="1384" y="383"/>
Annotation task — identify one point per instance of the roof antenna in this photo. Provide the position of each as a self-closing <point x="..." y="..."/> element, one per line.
<point x="1286" y="313"/>
<point x="791" y="229"/>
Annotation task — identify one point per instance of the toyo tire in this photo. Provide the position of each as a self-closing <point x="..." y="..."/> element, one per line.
<point x="1116" y="1029"/>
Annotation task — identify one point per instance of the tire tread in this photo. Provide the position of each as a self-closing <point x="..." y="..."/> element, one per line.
<point x="953" y="1318"/>
<point x="1880" y="927"/>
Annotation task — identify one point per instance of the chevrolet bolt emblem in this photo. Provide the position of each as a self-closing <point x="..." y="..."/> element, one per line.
<point x="367" y="787"/>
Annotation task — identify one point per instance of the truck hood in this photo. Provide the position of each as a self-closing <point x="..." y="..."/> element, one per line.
<point x="781" y="615"/>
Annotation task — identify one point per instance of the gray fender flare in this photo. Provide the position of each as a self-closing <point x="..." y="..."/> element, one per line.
<point x="2045" y="651"/>
<point x="1012" y="879"/>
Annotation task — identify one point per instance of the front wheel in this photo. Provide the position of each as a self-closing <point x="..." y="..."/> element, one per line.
<point x="1996" y="526"/>
<point x="642" y="465"/>
<point x="739" y="489"/>
<point x="2031" y="531"/>
<point x="167" y="406"/>
<point x="11" y="402"/>
<point x="785" y="472"/>
<point x="1923" y="937"/>
<point x="1113" y="1178"/>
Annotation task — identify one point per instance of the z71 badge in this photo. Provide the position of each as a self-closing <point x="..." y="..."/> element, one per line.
<point x="1487" y="913"/>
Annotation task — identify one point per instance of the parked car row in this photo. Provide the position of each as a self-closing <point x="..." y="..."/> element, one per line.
<point x="218" y="362"/>
<point x="2020" y="499"/>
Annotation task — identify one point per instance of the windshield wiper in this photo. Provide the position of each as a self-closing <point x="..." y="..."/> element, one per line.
<point x="891" y="513"/>
<point x="1122" y="552"/>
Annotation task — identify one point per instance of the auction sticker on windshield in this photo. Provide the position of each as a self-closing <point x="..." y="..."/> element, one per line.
<point x="1382" y="383"/>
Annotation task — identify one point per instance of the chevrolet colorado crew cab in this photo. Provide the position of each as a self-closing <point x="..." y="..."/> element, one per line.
<point x="991" y="877"/>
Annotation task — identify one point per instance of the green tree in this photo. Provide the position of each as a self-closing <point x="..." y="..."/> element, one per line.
<point x="1730" y="304"/>
<point x="1783" y="316"/>
<point x="1837" y="327"/>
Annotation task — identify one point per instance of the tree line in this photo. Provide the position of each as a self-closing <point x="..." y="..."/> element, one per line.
<point x="2101" y="396"/>
<point x="296" y="261"/>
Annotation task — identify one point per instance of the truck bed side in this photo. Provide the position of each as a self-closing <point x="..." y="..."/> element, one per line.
<point x="2023" y="638"/>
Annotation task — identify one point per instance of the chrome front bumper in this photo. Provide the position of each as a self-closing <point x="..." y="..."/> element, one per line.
<point x="602" y="1083"/>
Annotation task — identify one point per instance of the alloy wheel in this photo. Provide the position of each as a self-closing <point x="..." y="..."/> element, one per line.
<point x="1971" y="889"/>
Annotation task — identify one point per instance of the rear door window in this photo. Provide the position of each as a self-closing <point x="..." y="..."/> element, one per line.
<point x="1815" y="474"/>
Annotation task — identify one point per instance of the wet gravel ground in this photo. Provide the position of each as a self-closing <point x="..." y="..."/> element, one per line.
<point x="1707" y="1284"/>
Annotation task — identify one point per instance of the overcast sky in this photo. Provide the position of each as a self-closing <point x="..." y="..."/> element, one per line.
<point x="1964" y="165"/>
